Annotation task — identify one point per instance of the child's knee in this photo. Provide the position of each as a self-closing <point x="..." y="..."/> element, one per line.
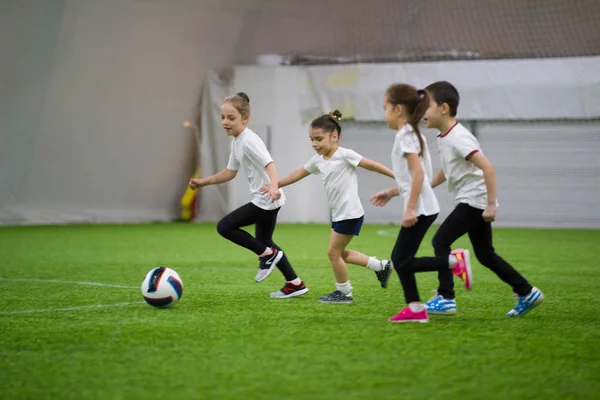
<point x="435" y="241"/>
<point x="401" y="264"/>
<point x="334" y="254"/>
<point x="440" y="246"/>
<point x="223" y="228"/>
<point x="486" y="258"/>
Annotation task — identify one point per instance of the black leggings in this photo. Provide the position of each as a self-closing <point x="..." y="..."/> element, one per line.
<point x="405" y="263"/>
<point x="467" y="219"/>
<point x="264" y="221"/>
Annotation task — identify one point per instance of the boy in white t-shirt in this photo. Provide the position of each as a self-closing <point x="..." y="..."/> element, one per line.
<point x="249" y="153"/>
<point x="472" y="183"/>
<point x="337" y="168"/>
<point x="404" y="107"/>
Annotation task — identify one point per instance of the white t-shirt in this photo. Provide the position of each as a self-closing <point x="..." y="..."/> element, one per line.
<point x="341" y="184"/>
<point x="249" y="152"/>
<point x="406" y="141"/>
<point x="465" y="179"/>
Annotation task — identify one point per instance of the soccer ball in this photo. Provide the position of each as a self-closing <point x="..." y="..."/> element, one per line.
<point x="162" y="287"/>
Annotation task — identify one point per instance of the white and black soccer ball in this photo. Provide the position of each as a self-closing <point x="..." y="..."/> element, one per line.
<point x="162" y="287"/>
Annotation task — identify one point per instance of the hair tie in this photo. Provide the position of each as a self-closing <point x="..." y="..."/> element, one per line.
<point x="336" y="118"/>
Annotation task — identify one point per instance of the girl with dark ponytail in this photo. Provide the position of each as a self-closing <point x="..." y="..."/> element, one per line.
<point x="404" y="107"/>
<point x="336" y="166"/>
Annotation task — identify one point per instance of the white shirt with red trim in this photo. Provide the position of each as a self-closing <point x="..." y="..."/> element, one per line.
<point x="465" y="179"/>
<point x="249" y="153"/>
<point x="406" y="142"/>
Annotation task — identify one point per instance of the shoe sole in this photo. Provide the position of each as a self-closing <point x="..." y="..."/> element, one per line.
<point x="335" y="302"/>
<point x="384" y="284"/>
<point x="469" y="279"/>
<point x="423" y="321"/>
<point x="453" y="312"/>
<point x="294" y="294"/>
<point x="273" y="265"/>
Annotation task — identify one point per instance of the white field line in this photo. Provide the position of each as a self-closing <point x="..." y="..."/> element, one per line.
<point x="387" y="232"/>
<point x="75" y="308"/>
<point x="69" y="282"/>
<point x="49" y="310"/>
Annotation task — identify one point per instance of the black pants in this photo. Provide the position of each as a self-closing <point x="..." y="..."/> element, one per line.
<point x="405" y="263"/>
<point x="467" y="219"/>
<point x="264" y="221"/>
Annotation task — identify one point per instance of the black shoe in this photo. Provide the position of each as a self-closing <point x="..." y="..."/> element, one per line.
<point x="383" y="276"/>
<point x="266" y="264"/>
<point x="337" y="297"/>
<point x="290" y="290"/>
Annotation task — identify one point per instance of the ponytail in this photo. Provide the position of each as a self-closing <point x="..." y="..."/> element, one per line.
<point x="415" y="103"/>
<point x="416" y="116"/>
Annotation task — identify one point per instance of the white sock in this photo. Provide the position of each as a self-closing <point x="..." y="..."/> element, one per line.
<point x="417" y="307"/>
<point x="268" y="251"/>
<point x="452" y="261"/>
<point x="296" y="281"/>
<point x="374" y="264"/>
<point x="345" y="287"/>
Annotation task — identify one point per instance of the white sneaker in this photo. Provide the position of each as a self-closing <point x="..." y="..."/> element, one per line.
<point x="266" y="265"/>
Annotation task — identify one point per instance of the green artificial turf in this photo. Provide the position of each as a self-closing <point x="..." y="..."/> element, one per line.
<point x="227" y="339"/>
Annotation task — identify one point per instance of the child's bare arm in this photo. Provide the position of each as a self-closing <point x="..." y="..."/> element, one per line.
<point x="375" y="167"/>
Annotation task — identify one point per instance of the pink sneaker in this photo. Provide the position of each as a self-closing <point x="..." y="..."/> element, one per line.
<point x="462" y="269"/>
<point x="408" y="315"/>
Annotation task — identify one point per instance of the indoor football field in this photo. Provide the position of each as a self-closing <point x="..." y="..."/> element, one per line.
<point x="74" y="323"/>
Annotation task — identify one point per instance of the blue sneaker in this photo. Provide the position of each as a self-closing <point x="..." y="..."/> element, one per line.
<point x="440" y="306"/>
<point x="527" y="303"/>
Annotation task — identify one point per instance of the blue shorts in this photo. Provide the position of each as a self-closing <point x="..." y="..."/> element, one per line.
<point x="348" y="226"/>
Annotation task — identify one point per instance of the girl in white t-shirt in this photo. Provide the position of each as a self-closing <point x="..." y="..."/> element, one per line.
<point x="249" y="153"/>
<point x="404" y="106"/>
<point x="337" y="168"/>
<point x="472" y="183"/>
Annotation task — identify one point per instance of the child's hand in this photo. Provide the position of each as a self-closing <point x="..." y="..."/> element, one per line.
<point x="264" y="189"/>
<point x="489" y="214"/>
<point x="381" y="198"/>
<point x="274" y="193"/>
<point x="410" y="218"/>
<point x="196" y="183"/>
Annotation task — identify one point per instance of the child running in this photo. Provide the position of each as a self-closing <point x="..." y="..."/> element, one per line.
<point x="472" y="183"/>
<point x="404" y="107"/>
<point x="336" y="166"/>
<point x="249" y="153"/>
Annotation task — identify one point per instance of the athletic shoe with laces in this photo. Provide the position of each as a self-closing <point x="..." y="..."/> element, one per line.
<point x="266" y="264"/>
<point x="440" y="306"/>
<point x="383" y="276"/>
<point x="337" y="297"/>
<point x="527" y="303"/>
<point x="290" y="290"/>
<point x="408" y="315"/>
